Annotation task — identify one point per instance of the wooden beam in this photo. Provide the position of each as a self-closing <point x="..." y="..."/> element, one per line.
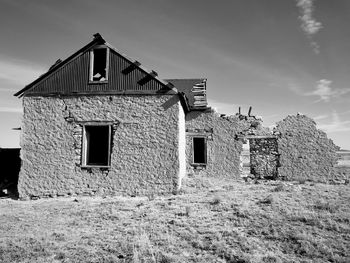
<point x="250" y="111"/>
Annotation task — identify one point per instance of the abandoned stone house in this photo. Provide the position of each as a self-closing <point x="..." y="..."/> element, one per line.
<point x="100" y="123"/>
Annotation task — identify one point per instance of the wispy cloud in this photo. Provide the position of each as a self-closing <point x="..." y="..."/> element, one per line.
<point x="10" y="109"/>
<point x="308" y="24"/>
<point x="18" y="72"/>
<point x="325" y="92"/>
<point x="223" y="107"/>
<point x="336" y="124"/>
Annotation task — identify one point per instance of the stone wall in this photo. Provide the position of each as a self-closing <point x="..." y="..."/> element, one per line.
<point x="306" y="152"/>
<point x="264" y="157"/>
<point x="223" y="147"/>
<point x="144" y="157"/>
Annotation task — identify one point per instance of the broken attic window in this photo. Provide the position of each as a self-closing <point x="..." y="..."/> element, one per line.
<point x="99" y="64"/>
<point x="97" y="142"/>
<point x="199" y="150"/>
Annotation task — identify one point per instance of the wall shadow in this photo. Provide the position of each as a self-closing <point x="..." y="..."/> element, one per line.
<point x="170" y="102"/>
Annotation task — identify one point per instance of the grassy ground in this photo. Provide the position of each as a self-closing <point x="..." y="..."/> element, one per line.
<point x="210" y="221"/>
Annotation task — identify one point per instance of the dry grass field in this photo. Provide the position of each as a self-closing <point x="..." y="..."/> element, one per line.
<point x="209" y="221"/>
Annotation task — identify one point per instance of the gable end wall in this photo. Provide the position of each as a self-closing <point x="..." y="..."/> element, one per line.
<point x="145" y="155"/>
<point x="73" y="77"/>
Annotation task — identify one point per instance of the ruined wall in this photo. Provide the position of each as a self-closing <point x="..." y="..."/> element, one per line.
<point x="223" y="149"/>
<point x="145" y="155"/>
<point x="264" y="157"/>
<point x="306" y="152"/>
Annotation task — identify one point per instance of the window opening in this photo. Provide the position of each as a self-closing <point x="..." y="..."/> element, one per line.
<point x="99" y="64"/>
<point x="199" y="150"/>
<point x="97" y="143"/>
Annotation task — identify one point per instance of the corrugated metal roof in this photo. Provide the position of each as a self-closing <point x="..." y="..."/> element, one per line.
<point x="71" y="76"/>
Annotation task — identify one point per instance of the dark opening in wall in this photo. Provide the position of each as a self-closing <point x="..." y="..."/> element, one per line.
<point x="97" y="145"/>
<point x="99" y="64"/>
<point x="10" y="165"/>
<point x="199" y="150"/>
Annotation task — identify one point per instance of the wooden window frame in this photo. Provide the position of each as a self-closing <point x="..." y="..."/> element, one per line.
<point x="205" y="151"/>
<point x="91" y="69"/>
<point x="84" y="145"/>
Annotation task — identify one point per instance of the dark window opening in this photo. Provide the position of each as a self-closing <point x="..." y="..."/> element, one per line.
<point x="199" y="150"/>
<point x="99" y="64"/>
<point x="97" y="152"/>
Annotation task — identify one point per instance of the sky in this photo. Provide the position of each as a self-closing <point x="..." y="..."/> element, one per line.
<point x="282" y="57"/>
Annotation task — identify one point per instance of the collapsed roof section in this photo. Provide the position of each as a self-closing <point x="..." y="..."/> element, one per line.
<point x="194" y="90"/>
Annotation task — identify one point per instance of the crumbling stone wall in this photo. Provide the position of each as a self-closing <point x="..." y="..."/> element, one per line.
<point x="264" y="157"/>
<point x="306" y="152"/>
<point x="223" y="147"/>
<point x="145" y="145"/>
